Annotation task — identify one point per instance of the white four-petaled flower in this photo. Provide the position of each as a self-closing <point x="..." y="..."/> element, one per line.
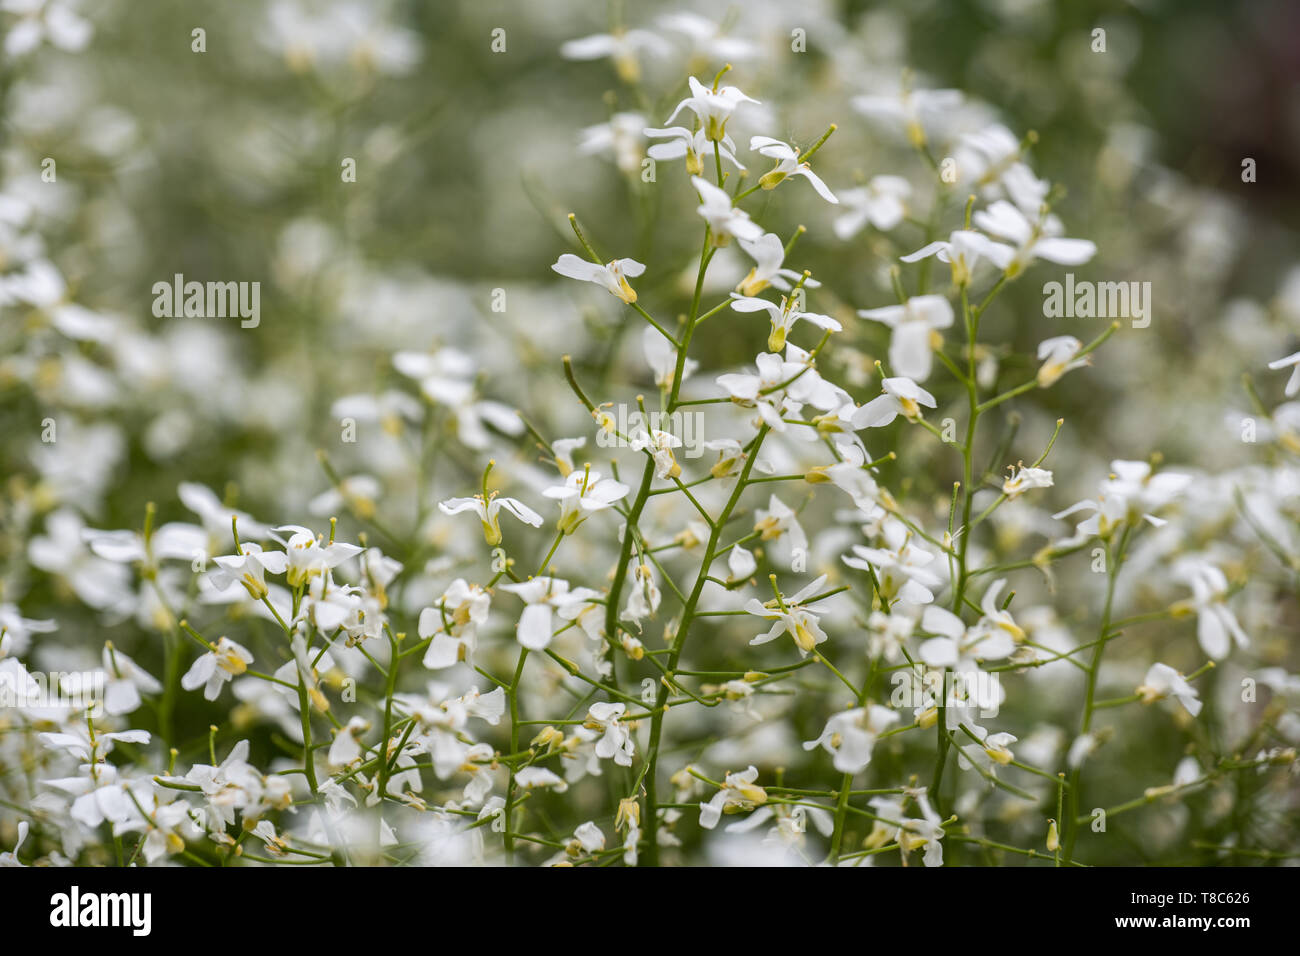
<point x="915" y="324"/>
<point x="612" y="277"/>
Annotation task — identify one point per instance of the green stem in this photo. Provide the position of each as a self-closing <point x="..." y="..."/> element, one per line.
<point x="651" y="855"/>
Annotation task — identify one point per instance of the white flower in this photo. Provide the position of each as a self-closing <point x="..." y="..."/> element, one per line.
<point x="783" y="317"/>
<point x="1023" y="478"/>
<point x="996" y="617"/>
<point x="98" y="798"/>
<point x="1083" y="747"/>
<point x="1293" y="362"/>
<point x="328" y="37"/>
<point x="612" y="277"/>
<point x="16" y="630"/>
<point x="1187" y="772"/>
<point x="175" y="540"/>
<point x="582" y="494"/>
<point x="660" y="444"/>
<point x="787" y="164"/>
<point x="488" y="510"/>
<point x="693" y="146"/>
<point x="642" y="599"/>
<point x="446" y="378"/>
<point x="768" y="254"/>
<point x="779" y="519"/>
<point x="963" y="250"/>
<point x="707" y="38"/>
<point x="346" y="748"/>
<point x="712" y="107"/>
<point x="454" y="624"/>
<point x="1058" y="357"/>
<point x="1216" y="626"/>
<point x="915" y="326"/>
<point x="309" y="558"/>
<point x="57" y="21"/>
<point x="616" y="739"/>
<point x="738" y="794"/>
<point x="762" y="391"/>
<point x="1039" y="240"/>
<point x="913" y="109"/>
<point x="532" y="777"/>
<point x="10" y="858"/>
<point x="248" y="568"/>
<point x="960" y="650"/>
<point x="589" y="837"/>
<point x="358" y="493"/>
<point x="621" y="137"/>
<point x="789" y="831"/>
<point x="99" y="583"/>
<point x="850" y="736"/>
<point x="1163" y="681"/>
<point x="125" y="682"/>
<point x="329" y="605"/>
<point x="265" y="831"/>
<point x="724" y="219"/>
<point x="791" y="618"/>
<point x="79" y="744"/>
<point x="887" y="633"/>
<point x="740" y="563"/>
<point x="991" y="158"/>
<point x="1132" y="492"/>
<point x="731" y="455"/>
<point x="881" y="203"/>
<point x="225" y="661"/>
<point x="1145" y="490"/>
<point x="899" y="396"/>
<point x="900" y="566"/>
<point x="622" y="47"/>
<point x="563" y="448"/>
<point x="662" y="359"/>
<point x="544" y="596"/>
<point x="994" y="752"/>
<point x="910" y="834"/>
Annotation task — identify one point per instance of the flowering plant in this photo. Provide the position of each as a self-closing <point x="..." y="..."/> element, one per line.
<point x="789" y="530"/>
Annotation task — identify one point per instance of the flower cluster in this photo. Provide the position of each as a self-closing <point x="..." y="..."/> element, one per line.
<point x="859" y="567"/>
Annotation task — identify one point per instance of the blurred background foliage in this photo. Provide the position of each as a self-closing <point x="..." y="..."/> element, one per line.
<point x="225" y="165"/>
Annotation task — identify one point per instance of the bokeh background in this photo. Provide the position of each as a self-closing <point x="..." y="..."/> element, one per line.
<point x="226" y="165"/>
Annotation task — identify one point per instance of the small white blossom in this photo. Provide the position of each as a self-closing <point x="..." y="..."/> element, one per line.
<point x="1163" y="681"/>
<point x="488" y="511"/>
<point x="583" y="494"/>
<point x="915" y="324"/>
<point x="790" y="617"/>
<point x="787" y="164"/>
<point x="712" y="107"/>
<point x="1024" y="478"/>
<point x="612" y="276"/>
<point x="899" y="396"/>
<point x="738" y="794"/>
<point x="224" y="662"/>
<point x="725" y="220"/>
<point x="1058" y="355"/>
<point x="1293" y="362"/>
<point x="851" y="735"/>
<point x="881" y="203"/>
